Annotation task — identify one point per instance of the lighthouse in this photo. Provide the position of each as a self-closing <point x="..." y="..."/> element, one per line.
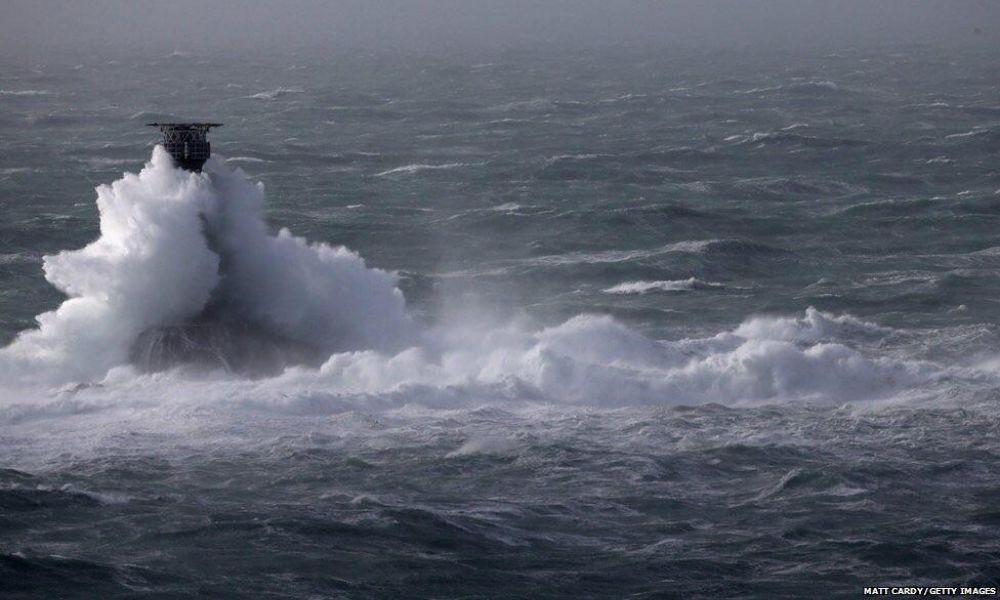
<point x="187" y="143"/>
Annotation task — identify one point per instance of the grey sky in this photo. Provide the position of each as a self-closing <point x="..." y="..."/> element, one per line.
<point x="34" y="25"/>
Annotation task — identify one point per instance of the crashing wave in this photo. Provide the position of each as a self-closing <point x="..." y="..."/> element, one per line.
<point x="186" y="274"/>
<point x="183" y="250"/>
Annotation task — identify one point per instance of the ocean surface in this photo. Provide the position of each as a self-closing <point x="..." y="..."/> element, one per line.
<point x="550" y="324"/>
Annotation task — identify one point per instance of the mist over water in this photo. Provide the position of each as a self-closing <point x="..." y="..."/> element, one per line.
<point x="696" y="323"/>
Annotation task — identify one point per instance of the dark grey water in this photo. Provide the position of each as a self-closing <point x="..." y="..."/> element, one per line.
<point x="678" y="324"/>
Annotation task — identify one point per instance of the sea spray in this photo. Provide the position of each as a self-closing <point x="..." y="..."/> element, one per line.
<point x="150" y="266"/>
<point x="179" y="249"/>
<point x="315" y="293"/>
<point x="710" y="442"/>
<point x="186" y="272"/>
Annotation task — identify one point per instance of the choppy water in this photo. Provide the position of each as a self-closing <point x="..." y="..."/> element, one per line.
<point x="677" y="324"/>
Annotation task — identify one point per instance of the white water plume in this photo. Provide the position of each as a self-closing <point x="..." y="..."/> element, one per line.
<point x="190" y="252"/>
<point x="154" y="265"/>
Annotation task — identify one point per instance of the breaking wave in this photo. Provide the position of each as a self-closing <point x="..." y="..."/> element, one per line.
<point x="800" y="87"/>
<point x="588" y="361"/>
<point x="416" y="168"/>
<point x="712" y="247"/>
<point x="275" y="93"/>
<point x="24" y="92"/>
<point x="677" y="285"/>
<point x="187" y="295"/>
<point x="179" y="249"/>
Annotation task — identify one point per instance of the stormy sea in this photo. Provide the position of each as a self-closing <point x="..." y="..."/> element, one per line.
<point x="601" y="324"/>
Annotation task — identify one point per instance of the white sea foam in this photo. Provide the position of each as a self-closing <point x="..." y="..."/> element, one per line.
<point x="677" y="285"/>
<point x="617" y="256"/>
<point x="275" y="93"/>
<point x="14" y="258"/>
<point x="174" y="242"/>
<point x="247" y="159"/>
<point x="153" y="266"/>
<point x="15" y="170"/>
<point x="799" y="86"/>
<point x="416" y="168"/>
<point x="590" y="361"/>
<point x="574" y="157"/>
<point x="485" y="445"/>
<point x="24" y="92"/>
<point x="978" y="131"/>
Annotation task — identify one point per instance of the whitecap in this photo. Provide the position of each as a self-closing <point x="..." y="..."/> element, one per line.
<point x="247" y="159"/>
<point x="416" y="168"/>
<point x="677" y="285"/>
<point x="25" y="92"/>
<point x="275" y="93"/>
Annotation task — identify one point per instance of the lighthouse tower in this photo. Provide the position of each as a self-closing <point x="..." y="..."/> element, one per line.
<point x="187" y="143"/>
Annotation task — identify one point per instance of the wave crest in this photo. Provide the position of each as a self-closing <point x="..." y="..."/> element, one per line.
<point x="180" y="249"/>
